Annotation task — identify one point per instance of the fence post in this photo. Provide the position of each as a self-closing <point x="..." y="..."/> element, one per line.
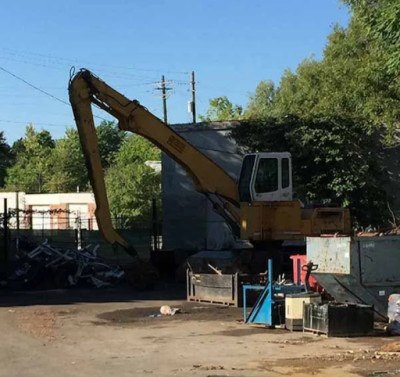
<point x="17" y="209"/>
<point x="5" y="224"/>
<point x="155" y="225"/>
<point x="42" y="225"/>
<point x="78" y="230"/>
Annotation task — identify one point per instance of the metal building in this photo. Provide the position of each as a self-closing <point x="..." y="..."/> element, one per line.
<point x="189" y="221"/>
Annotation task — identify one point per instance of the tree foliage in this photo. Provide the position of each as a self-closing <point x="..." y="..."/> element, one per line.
<point x="131" y="185"/>
<point x="31" y="162"/>
<point x="221" y="109"/>
<point x="261" y="102"/>
<point x="38" y="164"/>
<point x="67" y="170"/>
<point x="350" y="81"/>
<point x="44" y="165"/>
<point x="334" y="160"/>
<point x="110" y="139"/>
<point x="136" y="149"/>
<point x="382" y="20"/>
<point x="5" y="158"/>
<point x="337" y="115"/>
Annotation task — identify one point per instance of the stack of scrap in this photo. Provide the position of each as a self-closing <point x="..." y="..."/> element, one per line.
<point x="51" y="267"/>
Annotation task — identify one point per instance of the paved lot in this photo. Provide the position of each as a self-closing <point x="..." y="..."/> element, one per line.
<point x="112" y="333"/>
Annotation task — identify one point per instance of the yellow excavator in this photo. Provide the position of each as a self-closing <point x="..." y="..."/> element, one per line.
<point x="259" y="207"/>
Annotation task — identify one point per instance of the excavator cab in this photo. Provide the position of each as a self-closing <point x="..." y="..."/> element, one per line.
<point x="268" y="210"/>
<point x="266" y="177"/>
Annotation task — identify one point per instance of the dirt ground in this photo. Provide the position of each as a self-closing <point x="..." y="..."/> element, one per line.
<point x="117" y="333"/>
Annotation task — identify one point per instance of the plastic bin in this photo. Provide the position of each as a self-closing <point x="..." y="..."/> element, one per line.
<point x="294" y="308"/>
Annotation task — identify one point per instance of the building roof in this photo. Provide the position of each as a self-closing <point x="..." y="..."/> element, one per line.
<point x="206" y="126"/>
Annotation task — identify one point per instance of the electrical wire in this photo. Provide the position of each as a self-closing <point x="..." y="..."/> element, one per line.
<point x="42" y="91"/>
<point x="21" y="52"/>
<point x="49" y="61"/>
<point x="30" y="63"/>
<point x="53" y="96"/>
<point x="35" y="123"/>
<point x="109" y="74"/>
<point x="34" y="86"/>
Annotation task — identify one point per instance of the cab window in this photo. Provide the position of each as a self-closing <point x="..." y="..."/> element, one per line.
<point x="245" y="178"/>
<point x="267" y="175"/>
<point x="285" y="173"/>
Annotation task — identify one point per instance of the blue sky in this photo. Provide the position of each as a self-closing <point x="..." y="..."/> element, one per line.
<point x="230" y="44"/>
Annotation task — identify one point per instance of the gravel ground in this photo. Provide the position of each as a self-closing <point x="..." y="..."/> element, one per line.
<point x="117" y="332"/>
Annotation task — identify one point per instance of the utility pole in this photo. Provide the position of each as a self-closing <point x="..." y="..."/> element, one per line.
<point x="193" y="104"/>
<point x="163" y="87"/>
<point x="164" y="98"/>
<point x="5" y="230"/>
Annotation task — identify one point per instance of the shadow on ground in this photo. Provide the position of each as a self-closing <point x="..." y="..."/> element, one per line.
<point x="124" y="293"/>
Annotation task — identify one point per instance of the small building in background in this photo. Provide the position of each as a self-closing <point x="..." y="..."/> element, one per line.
<point x="50" y="211"/>
<point x="189" y="221"/>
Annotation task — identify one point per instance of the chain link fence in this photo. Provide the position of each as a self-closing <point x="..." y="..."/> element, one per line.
<point x="68" y="230"/>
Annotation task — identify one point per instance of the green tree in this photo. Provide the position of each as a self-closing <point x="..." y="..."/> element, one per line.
<point x="221" y="109"/>
<point x="337" y="114"/>
<point x="382" y="20"/>
<point x="334" y="161"/>
<point x="67" y="170"/>
<point x="5" y="158"/>
<point x="131" y="185"/>
<point x="136" y="149"/>
<point x="261" y="102"/>
<point x="350" y="80"/>
<point x="110" y="139"/>
<point x="32" y="162"/>
<point x="17" y="147"/>
<point x="300" y="93"/>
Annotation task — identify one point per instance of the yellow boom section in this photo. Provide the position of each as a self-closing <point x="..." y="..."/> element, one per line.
<point x="85" y="89"/>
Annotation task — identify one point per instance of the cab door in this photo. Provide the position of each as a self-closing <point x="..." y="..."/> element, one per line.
<point x="266" y="177"/>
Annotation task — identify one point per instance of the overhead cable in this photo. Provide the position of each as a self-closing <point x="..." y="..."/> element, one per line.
<point x="41" y="90"/>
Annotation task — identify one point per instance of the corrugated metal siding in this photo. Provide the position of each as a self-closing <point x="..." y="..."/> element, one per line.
<point x="189" y="221"/>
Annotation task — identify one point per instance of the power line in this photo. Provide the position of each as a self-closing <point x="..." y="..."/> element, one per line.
<point x="35" y="123"/>
<point x="74" y="61"/>
<point x="41" y="90"/>
<point x="48" y="64"/>
<point x="139" y="80"/>
<point x="29" y="62"/>
<point x="57" y="66"/>
<point x="34" y="86"/>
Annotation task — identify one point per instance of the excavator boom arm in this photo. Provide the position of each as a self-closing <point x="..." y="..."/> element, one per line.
<point x="86" y="89"/>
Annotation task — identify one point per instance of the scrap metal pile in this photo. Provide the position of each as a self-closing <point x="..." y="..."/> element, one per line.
<point x="47" y="266"/>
